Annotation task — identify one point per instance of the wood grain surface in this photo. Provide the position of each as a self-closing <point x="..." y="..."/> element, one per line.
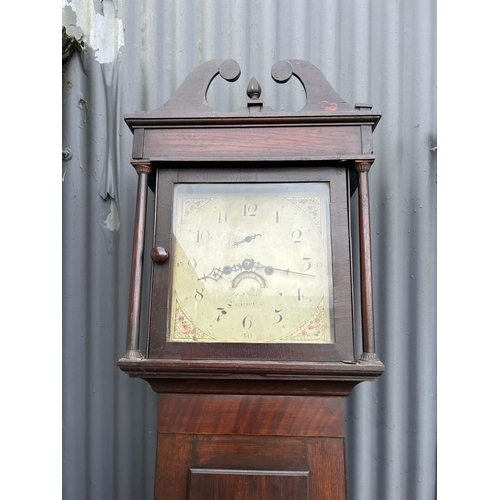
<point x="252" y="143"/>
<point x="251" y="415"/>
<point x="280" y="461"/>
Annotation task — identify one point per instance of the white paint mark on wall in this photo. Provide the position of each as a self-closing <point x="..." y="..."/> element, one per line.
<point x="109" y="221"/>
<point x="106" y="36"/>
<point x="102" y="31"/>
<point x="113" y="220"/>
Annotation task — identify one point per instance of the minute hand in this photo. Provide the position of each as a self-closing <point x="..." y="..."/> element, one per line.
<point x="271" y="269"/>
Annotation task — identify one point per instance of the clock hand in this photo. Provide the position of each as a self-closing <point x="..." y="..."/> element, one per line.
<point x="218" y="273"/>
<point x="249" y="264"/>
<point x="246" y="240"/>
<point x="270" y="270"/>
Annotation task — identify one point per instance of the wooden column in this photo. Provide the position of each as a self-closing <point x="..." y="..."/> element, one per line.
<point x="362" y="167"/>
<point x="143" y="169"/>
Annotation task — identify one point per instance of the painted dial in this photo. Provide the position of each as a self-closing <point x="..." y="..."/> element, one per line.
<point x="251" y="263"/>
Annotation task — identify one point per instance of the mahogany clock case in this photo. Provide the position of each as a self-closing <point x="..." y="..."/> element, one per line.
<point x="246" y="420"/>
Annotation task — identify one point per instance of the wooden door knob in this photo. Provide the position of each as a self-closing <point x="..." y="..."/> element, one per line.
<point x="159" y="254"/>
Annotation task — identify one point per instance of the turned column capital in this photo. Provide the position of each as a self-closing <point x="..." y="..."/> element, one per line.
<point x="142" y="166"/>
<point x="362" y="165"/>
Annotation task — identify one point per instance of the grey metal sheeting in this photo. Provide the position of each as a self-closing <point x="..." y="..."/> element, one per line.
<point x="137" y="53"/>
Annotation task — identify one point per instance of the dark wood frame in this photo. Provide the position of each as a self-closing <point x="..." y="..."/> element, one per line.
<point x="343" y="347"/>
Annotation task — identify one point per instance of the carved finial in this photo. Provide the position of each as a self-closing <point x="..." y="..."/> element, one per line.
<point x="254" y="89"/>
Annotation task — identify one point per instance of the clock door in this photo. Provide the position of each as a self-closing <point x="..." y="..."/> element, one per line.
<point x="263" y="265"/>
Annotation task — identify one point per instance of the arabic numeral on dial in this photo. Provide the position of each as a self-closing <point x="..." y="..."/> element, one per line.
<point x="222" y="217"/>
<point x="199" y="294"/>
<point x="307" y="263"/>
<point x="299" y="295"/>
<point x="250" y="210"/>
<point x="247" y="335"/>
<point x="296" y="235"/>
<point x="280" y="317"/>
<point x="277" y="216"/>
<point x="222" y="312"/>
<point x="247" y="322"/>
<point x="202" y="235"/>
<point x="190" y="263"/>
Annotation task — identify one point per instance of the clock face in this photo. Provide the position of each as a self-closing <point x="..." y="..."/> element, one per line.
<point x="251" y="263"/>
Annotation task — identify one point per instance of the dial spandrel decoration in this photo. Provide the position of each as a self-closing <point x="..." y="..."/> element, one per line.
<point x="251" y="263"/>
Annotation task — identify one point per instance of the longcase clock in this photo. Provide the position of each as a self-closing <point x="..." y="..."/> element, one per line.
<point x="250" y="338"/>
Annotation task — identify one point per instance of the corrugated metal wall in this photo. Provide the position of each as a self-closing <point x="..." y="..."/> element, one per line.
<point x="137" y="54"/>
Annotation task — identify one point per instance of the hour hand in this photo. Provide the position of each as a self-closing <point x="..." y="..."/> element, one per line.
<point x="247" y="239"/>
<point x="218" y="273"/>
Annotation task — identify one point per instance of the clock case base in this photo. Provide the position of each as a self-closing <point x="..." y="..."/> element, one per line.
<point x="242" y="446"/>
<point x="241" y="435"/>
<point x="229" y="439"/>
